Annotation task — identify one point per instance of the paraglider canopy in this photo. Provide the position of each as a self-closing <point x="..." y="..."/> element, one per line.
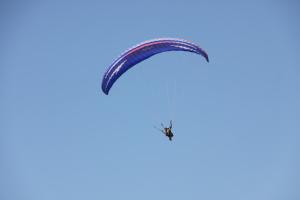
<point x="143" y="51"/>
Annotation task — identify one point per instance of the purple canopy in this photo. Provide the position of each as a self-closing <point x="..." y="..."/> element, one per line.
<point x="143" y="51"/>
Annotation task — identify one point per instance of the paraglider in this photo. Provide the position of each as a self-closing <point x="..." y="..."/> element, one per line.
<point x="167" y="131"/>
<point x="143" y="51"/>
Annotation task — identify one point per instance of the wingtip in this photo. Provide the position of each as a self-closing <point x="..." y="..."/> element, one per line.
<point x="105" y="92"/>
<point x="206" y="57"/>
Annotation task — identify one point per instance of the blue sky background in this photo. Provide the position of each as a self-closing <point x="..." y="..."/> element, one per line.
<point x="236" y="119"/>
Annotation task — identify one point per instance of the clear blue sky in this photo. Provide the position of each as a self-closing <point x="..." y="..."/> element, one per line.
<point x="236" y="119"/>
